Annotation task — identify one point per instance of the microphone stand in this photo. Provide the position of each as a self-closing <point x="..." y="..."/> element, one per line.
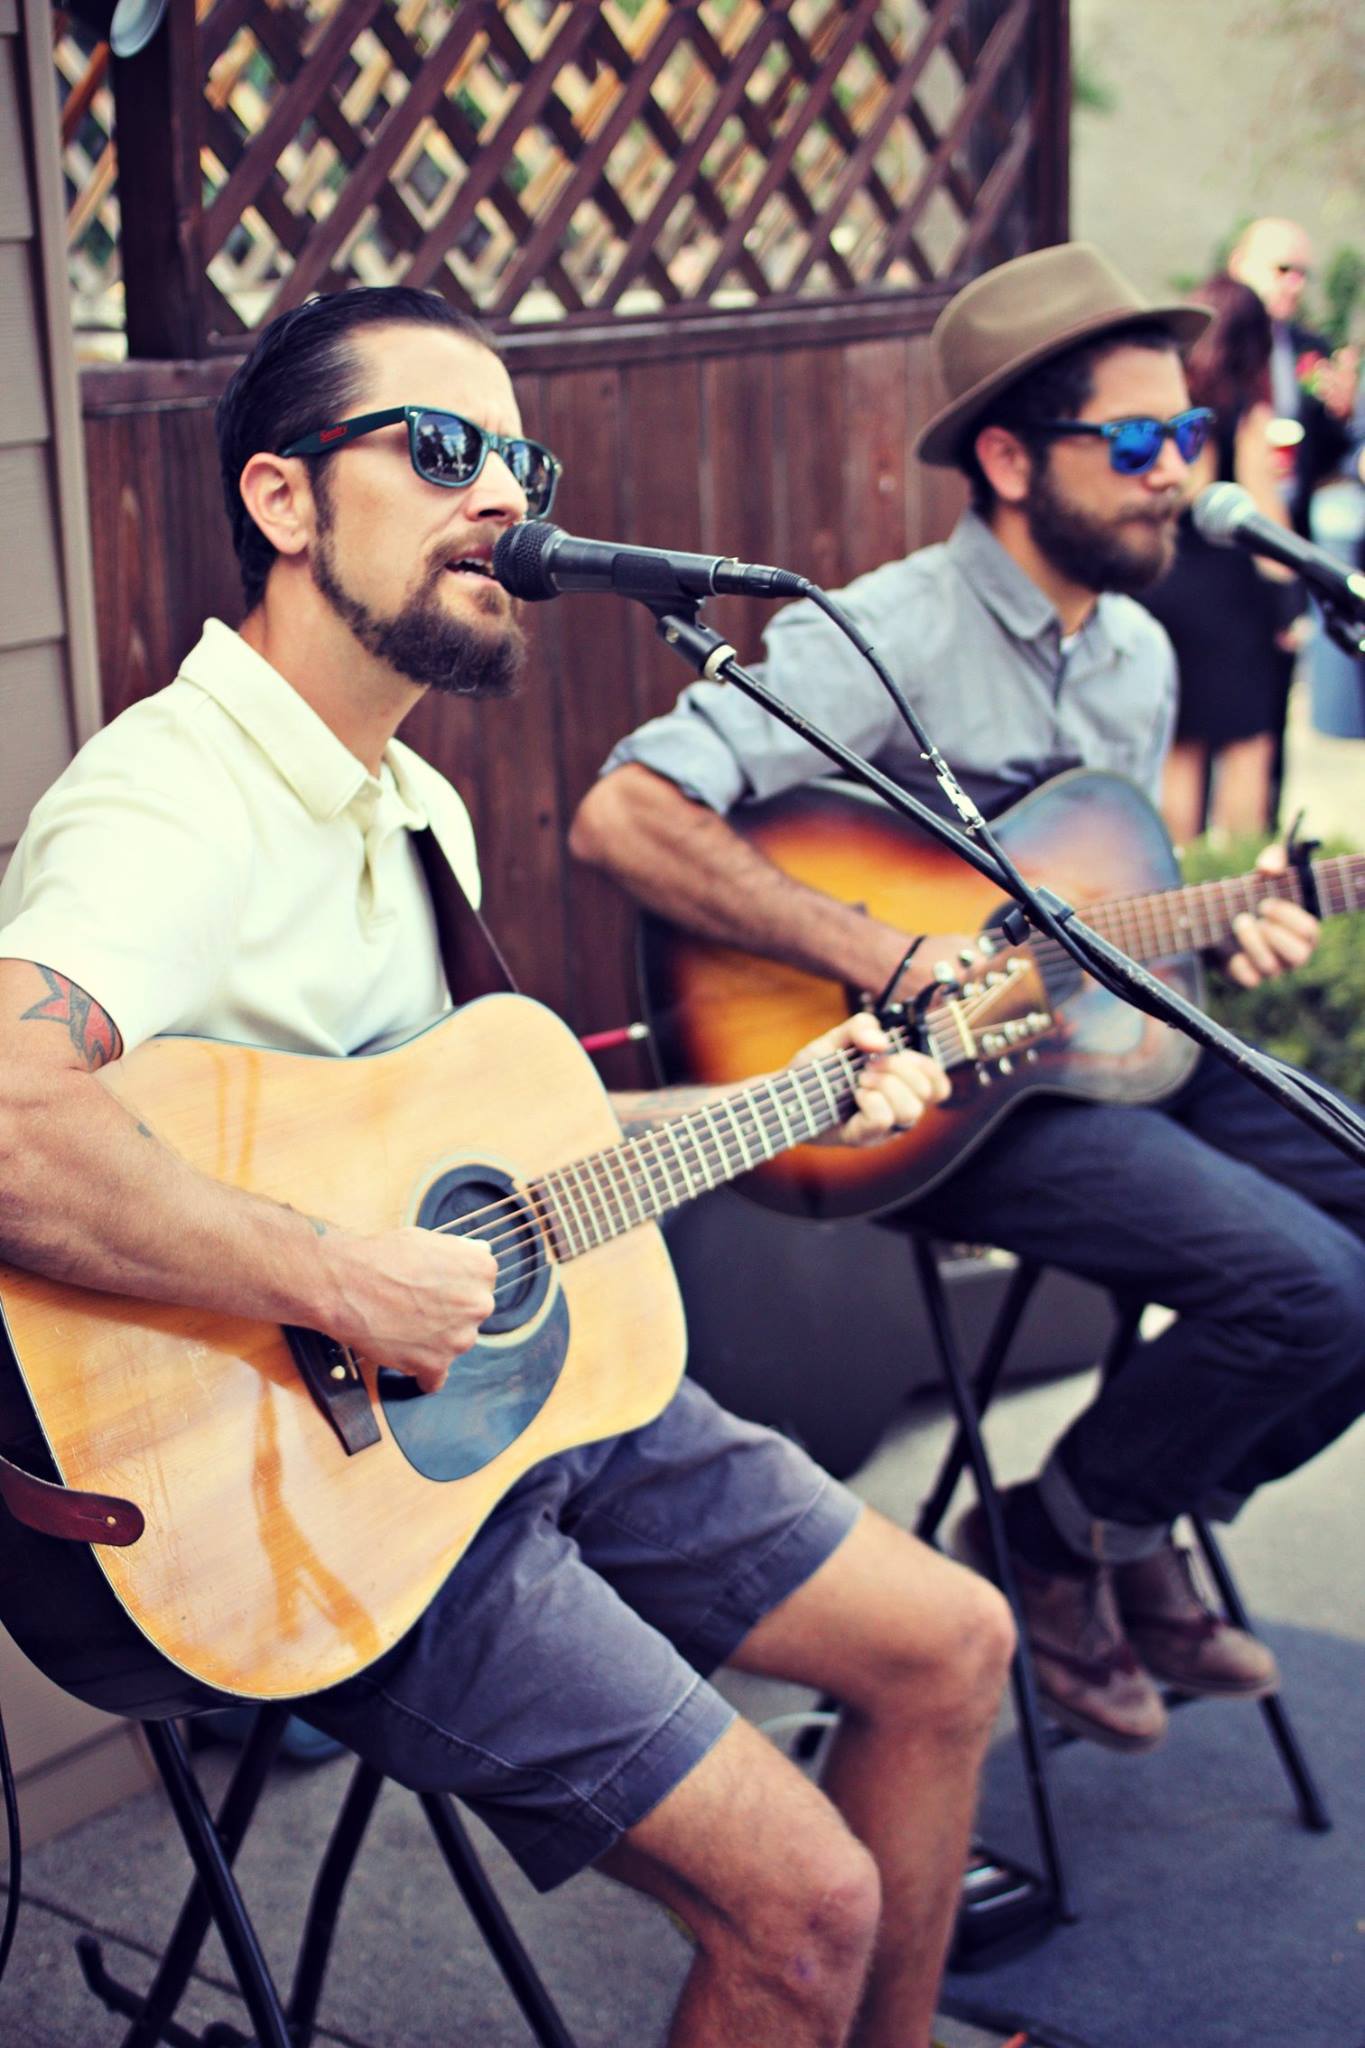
<point x="712" y="656"/>
<point x="1342" y="623"/>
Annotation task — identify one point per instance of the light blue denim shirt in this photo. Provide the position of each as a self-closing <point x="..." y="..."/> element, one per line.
<point x="977" y="649"/>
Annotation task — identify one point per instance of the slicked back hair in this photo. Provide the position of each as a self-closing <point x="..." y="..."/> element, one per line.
<point x="301" y="374"/>
<point x="1058" y="389"/>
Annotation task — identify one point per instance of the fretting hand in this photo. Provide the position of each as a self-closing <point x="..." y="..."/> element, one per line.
<point x="892" y="1092"/>
<point x="1277" y="936"/>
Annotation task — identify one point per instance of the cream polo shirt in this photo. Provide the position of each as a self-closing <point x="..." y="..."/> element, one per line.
<point x="217" y="862"/>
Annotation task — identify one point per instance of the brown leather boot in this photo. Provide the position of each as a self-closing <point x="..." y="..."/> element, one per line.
<point x="1184" y="1641"/>
<point x="1087" y="1675"/>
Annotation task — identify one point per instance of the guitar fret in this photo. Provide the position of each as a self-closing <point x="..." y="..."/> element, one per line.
<point x="564" y="1215"/>
<point x="642" y="1181"/>
<point x="806" y="1079"/>
<point x="596" y="1167"/>
<point x="728" y="1105"/>
<point x="664" y="1167"/>
<point x="722" y="1148"/>
<point x="688" y="1129"/>
<point x="628" y="1183"/>
<point x="681" y="1156"/>
<point x="583" y="1203"/>
<point x="788" y="1134"/>
<point x="763" y="1140"/>
<point x="831" y="1099"/>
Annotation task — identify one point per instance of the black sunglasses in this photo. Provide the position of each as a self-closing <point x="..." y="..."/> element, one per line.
<point x="447" y="449"/>
<point x="1135" y="444"/>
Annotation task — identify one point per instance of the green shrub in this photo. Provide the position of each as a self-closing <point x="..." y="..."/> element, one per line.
<point x="1316" y="1017"/>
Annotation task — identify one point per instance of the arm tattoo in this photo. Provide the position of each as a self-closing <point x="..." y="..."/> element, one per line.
<point x="91" y="1030"/>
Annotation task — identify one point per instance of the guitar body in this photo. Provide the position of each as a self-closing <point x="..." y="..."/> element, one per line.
<point x="718" y="1013"/>
<point x="273" y="1561"/>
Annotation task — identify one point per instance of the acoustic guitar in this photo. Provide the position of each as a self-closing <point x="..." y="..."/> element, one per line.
<point x="301" y="1507"/>
<point x="1030" y="1021"/>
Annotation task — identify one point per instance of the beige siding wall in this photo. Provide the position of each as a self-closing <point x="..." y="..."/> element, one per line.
<point x="69" y="1760"/>
<point x="47" y="680"/>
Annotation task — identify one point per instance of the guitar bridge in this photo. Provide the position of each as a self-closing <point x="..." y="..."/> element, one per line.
<point x="330" y="1373"/>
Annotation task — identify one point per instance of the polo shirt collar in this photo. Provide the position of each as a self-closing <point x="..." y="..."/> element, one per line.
<point x="320" y="769"/>
<point x="1012" y="595"/>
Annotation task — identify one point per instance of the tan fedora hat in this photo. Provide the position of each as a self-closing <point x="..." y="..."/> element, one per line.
<point x="1015" y="317"/>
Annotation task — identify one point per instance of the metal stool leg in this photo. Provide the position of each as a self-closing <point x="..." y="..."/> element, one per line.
<point x="214" y="1895"/>
<point x="1312" y="1808"/>
<point x="325" y="1904"/>
<point x="1022" y="1282"/>
<point x="1031" y="1735"/>
<point x="541" y="2013"/>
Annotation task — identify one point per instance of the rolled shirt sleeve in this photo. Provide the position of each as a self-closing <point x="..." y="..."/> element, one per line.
<point x="720" y="747"/>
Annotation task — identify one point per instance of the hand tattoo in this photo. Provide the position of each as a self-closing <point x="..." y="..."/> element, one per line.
<point x="91" y="1030"/>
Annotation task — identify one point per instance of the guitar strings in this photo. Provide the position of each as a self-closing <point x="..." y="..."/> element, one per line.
<point x="945" y="1048"/>
<point x="633" y="1180"/>
<point x="621" y="1174"/>
<point x="625" y="1171"/>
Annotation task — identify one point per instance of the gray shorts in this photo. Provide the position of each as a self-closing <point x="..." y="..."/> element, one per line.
<point x="557" y="1683"/>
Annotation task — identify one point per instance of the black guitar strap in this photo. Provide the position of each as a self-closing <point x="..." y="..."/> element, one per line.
<point x="469" y="952"/>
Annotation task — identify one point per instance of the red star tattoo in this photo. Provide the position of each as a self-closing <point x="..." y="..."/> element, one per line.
<point x="91" y="1030"/>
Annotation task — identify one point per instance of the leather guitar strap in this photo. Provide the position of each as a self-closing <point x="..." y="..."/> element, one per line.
<point x="473" y="967"/>
<point x="469" y="952"/>
<point x="63" y="1511"/>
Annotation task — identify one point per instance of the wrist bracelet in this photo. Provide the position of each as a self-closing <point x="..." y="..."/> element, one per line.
<point x="906" y="957"/>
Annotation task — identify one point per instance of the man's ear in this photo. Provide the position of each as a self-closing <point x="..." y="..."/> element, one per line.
<point x="278" y="494"/>
<point x="1006" y="462"/>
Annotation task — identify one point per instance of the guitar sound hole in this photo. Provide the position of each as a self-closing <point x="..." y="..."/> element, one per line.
<point x="480" y="1201"/>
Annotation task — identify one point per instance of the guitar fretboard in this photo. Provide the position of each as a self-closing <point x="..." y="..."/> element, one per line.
<point x="599" y="1197"/>
<point x="1190" y="918"/>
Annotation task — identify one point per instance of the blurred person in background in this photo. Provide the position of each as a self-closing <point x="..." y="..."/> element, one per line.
<point x="1232" y="619"/>
<point x="1313" y="392"/>
<point x="1312" y="386"/>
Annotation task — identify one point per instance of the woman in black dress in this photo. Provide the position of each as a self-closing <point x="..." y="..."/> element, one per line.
<point x="1227" y="615"/>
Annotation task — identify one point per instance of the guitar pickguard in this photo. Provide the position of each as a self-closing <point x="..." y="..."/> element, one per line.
<point x="493" y="1393"/>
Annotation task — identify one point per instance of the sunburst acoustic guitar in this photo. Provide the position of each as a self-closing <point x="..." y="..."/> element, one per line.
<point x="298" y="1508"/>
<point x="1029" y="1021"/>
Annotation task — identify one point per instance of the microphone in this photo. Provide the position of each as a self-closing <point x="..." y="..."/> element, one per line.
<point x="1227" y="515"/>
<point x="537" y="559"/>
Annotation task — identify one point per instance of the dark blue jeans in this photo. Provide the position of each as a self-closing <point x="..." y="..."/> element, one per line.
<point x="1224" y="1207"/>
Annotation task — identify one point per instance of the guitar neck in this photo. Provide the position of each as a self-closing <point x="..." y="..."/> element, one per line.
<point x="1189" y="919"/>
<point x="597" y="1198"/>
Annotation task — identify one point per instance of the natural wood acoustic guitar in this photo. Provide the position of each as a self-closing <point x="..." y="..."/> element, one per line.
<point x="301" y="1508"/>
<point x="1029" y="1021"/>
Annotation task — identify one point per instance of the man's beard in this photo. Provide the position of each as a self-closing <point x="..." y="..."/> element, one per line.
<point x="421" y="641"/>
<point x="1097" y="554"/>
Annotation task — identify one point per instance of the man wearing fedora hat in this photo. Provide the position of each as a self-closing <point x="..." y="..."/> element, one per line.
<point x="1021" y="645"/>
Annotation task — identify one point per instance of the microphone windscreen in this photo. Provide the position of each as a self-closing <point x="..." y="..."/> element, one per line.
<point x="518" y="559"/>
<point x="1220" y="510"/>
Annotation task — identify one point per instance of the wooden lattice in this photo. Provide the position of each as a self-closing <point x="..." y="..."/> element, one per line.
<point x="535" y="159"/>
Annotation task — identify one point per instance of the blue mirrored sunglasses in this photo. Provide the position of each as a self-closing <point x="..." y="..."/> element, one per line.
<point x="447" y="449"/>
<point x="1135" y="444"/>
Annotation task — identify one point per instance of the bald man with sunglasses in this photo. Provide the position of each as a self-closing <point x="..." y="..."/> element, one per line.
<point x="1022" y="648"/>
<point x="1313" y="386"/>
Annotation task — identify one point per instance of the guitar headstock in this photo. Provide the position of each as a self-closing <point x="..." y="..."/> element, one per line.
<point x="993" y="1018"/>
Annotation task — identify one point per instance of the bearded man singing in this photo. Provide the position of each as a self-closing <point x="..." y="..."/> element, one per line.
<point x="1020" y="645"/>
